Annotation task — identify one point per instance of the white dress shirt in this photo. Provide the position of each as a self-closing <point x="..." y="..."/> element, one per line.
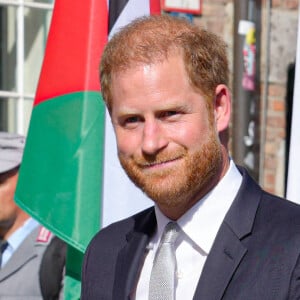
<point x="199" y="228"/>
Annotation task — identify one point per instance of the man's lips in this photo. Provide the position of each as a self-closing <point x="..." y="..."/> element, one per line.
<point x="159" y="163"/>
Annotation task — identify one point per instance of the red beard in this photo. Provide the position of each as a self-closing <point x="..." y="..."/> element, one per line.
<point x="187" y="177"/>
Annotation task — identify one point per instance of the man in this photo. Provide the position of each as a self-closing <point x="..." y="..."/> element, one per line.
<point x="31" y="258"/>
<point x="165" y="83"/>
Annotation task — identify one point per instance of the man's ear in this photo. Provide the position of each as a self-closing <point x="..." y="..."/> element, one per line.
<point x="222" y="107"/>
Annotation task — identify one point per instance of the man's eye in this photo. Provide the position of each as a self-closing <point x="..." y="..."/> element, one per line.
<point x="131" y="120"/>
<point x="3" y="180"/>
<point x="168" y="113"/>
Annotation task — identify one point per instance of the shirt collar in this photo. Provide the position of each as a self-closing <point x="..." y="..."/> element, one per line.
<point x="202" y="222"/>
<point x="21" y="233"/>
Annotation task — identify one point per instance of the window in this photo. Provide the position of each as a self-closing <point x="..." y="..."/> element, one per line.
<point x="24" y="26"/>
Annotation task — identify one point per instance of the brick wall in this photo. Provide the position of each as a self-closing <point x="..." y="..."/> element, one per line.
<point x="282" y="53"/>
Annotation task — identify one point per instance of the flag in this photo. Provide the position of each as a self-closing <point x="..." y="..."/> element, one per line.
<point x="63" y="181"/>
<point x="293" y="180"/>
<point x="61" y="172"/>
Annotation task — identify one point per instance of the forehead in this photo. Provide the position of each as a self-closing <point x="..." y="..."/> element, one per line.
<point x="173" y="64"/>
<point x="165" y="76"/>
<point x="143" y="58"/>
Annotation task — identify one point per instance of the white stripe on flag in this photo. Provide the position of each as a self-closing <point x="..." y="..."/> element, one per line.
<point x="133" y="10"/>
<point x="293" y="183"/>
<point x="121" y="198"/>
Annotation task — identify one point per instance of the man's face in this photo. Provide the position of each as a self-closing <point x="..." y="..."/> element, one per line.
<point x="167" y="140"/>
<point x="8" y="208"/>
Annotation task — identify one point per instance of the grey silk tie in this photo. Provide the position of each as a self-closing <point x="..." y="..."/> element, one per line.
<point x="162" y="280"/>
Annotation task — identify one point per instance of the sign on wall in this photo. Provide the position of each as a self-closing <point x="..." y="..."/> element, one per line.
<point x="184" y="6"/>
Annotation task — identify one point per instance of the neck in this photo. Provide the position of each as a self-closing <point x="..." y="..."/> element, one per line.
<point x="7" y="230"/>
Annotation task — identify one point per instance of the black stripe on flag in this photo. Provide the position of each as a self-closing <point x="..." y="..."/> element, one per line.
<point x="115" y="9"/>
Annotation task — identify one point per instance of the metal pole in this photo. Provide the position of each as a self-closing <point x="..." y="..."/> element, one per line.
<point x="265" y="92"/>
<point x="245" y="141"/>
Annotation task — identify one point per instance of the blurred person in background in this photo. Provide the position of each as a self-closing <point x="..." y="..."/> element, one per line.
<point x="32" y="259"/>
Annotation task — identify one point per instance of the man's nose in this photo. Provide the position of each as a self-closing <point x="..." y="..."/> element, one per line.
<point x="154" y="138"/>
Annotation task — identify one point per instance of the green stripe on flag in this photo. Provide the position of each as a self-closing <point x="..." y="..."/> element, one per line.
<point x="65" y="145"/>
<point x="72" y="279"/>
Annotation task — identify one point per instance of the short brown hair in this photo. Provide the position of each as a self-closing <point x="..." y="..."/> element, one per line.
<point x="151" y="39"/>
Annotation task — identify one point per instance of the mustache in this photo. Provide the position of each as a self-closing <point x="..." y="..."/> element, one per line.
<point x="147" y="160"/>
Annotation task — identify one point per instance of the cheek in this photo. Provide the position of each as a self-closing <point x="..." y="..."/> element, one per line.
<point x="6" y="199"/>
<point x="191" y="135"/>
<point x="6" y="192"/>
<point x="127" y="142"/>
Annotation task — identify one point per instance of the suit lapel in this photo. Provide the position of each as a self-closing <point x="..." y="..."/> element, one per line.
<point x="23" y="254"/>
<point x="220" y="265"/>
<point x="228" y="251"/>
<point x="132" y="255"/>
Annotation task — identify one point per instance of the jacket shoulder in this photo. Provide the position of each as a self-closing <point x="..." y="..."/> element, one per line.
<point x="100" y="259"/>
<point x="114" y="234"/>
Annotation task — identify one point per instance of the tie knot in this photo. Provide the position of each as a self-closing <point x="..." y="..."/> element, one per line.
<point x="3" y="245"/>
<point x="170" y="233"/>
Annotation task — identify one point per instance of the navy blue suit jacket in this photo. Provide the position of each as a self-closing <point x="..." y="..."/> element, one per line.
<point x="255" y="255"/>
